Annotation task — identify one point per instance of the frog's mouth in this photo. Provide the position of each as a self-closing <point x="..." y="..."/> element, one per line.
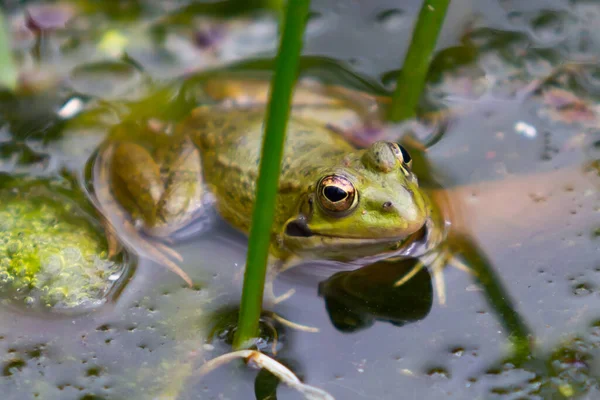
<point x="301" y="240"/>
<point x="298" y="228"/>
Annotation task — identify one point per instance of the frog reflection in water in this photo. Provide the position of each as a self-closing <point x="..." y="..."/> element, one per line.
<point x="335" y="202"/>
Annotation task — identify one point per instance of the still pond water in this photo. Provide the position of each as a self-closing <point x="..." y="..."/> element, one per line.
<point x="518" y="86"/>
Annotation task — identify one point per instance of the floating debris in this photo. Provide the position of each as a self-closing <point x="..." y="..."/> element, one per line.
<point x="523" y="128"/>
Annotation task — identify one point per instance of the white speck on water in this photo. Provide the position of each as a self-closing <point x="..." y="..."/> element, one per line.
<point x="114" y="277"/>
<point x="71" y="108"/>
<point x="523" y="128"/>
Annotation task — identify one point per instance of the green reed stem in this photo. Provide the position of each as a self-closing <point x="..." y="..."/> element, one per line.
<point x="8" y="72"/>
<point x="282" y="85"/>
<point x="411" y="79"/>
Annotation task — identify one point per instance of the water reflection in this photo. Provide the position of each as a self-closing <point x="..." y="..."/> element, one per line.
<point x="272" y="337"/>
<point x="356" y="299"/>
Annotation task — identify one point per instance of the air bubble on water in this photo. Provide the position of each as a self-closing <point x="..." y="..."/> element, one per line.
<point x="316" y="23"/>
<point x="458" y="351"/>
<point x="392" y="20"/>
<point x="516" y="18"/>
<point x="582" y="289"/>
<point x="548" y="27"/>
<point x="53" y="264"/>
<point x="72" y="254"/>
<point x="439" y="372"/>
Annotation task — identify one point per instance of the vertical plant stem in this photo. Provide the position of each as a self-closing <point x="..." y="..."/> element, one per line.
<point x="411" y="78"/>
<point x="286" y="71"/>
<point x="8" y="72"/>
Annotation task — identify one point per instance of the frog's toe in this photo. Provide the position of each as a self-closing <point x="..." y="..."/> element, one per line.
<point x="112" y="240"/>
<point x="168" y="251"/>
<point x="437" y="270"/>
<point x="418" y="266"/>
<point x="155" y="251"/>
<point x="283" y="297"/>
<point x="270" y="296"/>
<point x="458" y="264"/>
<point x="177" y="269"/>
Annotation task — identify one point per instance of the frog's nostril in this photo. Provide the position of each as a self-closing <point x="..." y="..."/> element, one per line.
<point x="298" y="228"/>
<point x="387" y="205"/>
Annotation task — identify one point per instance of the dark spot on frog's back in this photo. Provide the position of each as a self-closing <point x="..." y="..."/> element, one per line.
<point x="242" y="141"/>
<point x="302" y="132"/>
<point x="228" y="130"/>
<point x="218" y="122"/>
<point x="333" y="154"/>
<point x="308" y="170"/>
<point x="303" y="147"/>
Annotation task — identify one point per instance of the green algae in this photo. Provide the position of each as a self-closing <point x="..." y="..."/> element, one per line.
<point x="52" y="252"/>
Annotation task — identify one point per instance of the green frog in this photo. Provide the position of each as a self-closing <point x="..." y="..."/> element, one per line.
<point x="335" y="202"/>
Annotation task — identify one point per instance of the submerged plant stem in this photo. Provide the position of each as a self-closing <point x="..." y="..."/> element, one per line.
<point x="412" y="76"/>
<point x="286" y="71"/>
<point x="8" y="72"/>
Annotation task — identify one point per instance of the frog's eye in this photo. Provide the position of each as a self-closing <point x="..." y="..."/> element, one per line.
<point x="336" y="193"/>
<point x="401" y="153"/>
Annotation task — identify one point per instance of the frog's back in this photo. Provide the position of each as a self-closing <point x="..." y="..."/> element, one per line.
<point x="230" y="143"/>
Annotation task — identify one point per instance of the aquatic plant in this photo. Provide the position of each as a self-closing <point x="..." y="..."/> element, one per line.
<point x="282" y="85"/>
<point x="53" y="254"/>
<point x="8" y="72"/>
<point x="411" y="78"/>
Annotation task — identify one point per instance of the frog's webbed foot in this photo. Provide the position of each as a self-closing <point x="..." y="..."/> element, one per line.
<point x="159" y="253"/>
<point x="152" y="249"/>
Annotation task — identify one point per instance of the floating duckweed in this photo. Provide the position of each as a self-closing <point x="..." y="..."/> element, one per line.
<point x="52" y="253"/>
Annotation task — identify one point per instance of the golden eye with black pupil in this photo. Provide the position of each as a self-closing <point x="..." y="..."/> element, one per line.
<point x="336" y="193"/>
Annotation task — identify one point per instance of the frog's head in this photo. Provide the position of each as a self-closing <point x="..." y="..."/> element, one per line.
<point x="371" y="200"/>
